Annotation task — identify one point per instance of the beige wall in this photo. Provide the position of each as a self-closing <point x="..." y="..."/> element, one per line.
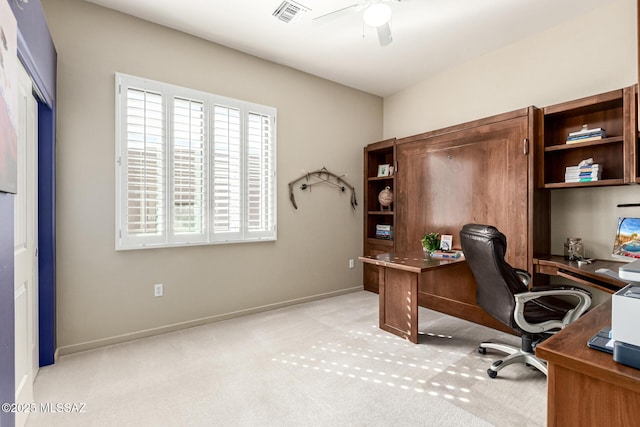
<point x="105" y="296"/>
<point x="594" y="53"/>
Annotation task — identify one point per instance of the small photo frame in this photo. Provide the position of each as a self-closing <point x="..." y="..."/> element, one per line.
<point x="383" y="170"/>
<point x="445" y="242"/>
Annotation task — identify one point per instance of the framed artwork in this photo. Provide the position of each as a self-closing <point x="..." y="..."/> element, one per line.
<point x="627" y="241"/>
<point x="8" y="100"/>
<point x="383" y="170"/>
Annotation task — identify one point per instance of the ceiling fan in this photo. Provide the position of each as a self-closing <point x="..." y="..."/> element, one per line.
<point x="376" y="13"/>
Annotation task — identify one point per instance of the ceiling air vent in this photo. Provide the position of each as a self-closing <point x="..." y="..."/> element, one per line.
<point x="289" y="11"/>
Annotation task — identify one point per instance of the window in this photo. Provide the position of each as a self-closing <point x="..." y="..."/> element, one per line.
<point x="191" y="167"/>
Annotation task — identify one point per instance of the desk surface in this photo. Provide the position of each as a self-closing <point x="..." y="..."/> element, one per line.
<point x="586" y="387"/>
<point x="414" y="262"/>
<point x="583" y="274"/>
<point x="568" y="348"/>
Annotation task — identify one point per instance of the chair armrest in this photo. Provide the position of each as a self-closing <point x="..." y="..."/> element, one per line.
<point x="560" y="288"/>
<point x="524" y="276"/>
<point x="583" y="302"/>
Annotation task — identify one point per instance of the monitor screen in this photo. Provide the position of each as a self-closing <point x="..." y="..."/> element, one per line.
<point x="627" y="242"/>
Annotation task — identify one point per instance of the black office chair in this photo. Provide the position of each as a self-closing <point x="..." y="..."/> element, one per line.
<point x="503" y="292"/>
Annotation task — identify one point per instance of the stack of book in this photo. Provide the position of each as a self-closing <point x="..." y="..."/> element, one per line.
<point x="584" y="135"/>
<point x="585" y="173"/>
<point x="446" y="254"/>
<point x="384" y="231"/>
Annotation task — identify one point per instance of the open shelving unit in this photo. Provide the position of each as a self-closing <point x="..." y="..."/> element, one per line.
<point x="615" y="154"/>
<point x="376" y="154"/>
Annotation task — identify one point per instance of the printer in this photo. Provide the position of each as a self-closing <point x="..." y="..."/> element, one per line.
<point x="630" y="271"/>
<point x="625" y="314"/>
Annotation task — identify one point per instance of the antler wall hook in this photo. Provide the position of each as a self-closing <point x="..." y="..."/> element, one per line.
<point x="324" y="177"/>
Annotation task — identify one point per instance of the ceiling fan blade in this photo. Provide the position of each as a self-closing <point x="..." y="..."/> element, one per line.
<point x="327" y="17"/>
<point x="384" y="34"/>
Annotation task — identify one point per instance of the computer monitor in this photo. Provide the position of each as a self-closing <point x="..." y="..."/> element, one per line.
<point x="627" y="241"/>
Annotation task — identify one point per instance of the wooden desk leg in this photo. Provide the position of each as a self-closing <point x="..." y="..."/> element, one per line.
<point x="398" y="292"/>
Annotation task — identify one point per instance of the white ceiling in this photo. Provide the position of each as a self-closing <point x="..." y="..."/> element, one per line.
<point x="428" y="35"/>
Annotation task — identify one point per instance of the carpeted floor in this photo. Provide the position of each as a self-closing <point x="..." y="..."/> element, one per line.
<point x="323" y="363"/>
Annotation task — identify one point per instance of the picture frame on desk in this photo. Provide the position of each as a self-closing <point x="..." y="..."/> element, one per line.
<point x="383" y="170"/>
<point x="446" y="241"/>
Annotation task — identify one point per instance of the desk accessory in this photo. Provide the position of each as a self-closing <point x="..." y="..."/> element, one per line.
<point x="574" y="249"/>
<point x="602" y="341"/>
<point x="446" y="242"/>
<point x="627" y="354"/>
<point x="385" y="197"/>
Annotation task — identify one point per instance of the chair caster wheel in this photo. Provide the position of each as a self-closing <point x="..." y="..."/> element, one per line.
<point x="482" y="350"/>
<point x="492" y="373"/>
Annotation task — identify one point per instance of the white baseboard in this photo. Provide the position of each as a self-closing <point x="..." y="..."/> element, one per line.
<point x="103" y="342"/>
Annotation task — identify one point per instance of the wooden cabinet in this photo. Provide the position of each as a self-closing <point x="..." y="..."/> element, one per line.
<point x="614" y="111"/>
<point x="477" y="172"/>
<point x="376" y="155"/>
<point x="473" y="173"/>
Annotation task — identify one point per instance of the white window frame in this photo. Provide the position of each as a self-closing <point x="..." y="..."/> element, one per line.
<point x="266" y="175"/>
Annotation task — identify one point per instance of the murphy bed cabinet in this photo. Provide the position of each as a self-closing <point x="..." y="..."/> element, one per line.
<point x="477" y="172"/>
<point x="376" y="155"/>
<point x="614" y="111"/>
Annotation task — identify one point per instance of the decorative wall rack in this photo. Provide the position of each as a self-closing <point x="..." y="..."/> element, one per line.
<point x="322" y="176"/>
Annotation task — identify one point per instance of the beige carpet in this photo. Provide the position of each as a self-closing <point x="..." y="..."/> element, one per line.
<point x="324" y="363"/>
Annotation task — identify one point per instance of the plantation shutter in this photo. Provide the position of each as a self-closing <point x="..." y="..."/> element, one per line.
<point x="227" y="172"/>
<point x="189" y="172"/>
<point x="145" y="166"/>
<point x="260" y="175"/>
<point x="191" y="167"/>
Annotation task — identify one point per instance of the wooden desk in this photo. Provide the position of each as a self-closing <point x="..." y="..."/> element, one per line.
<point x="398" y="292"/>
<point x="556" y="265"/>
<point x="586" y="387"/>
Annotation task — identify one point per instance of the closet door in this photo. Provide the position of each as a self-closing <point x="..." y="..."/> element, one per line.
<point x="478" y="174"/>
<point x="26" y="250"/>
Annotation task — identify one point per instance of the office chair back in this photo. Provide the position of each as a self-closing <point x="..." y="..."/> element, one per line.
<point x="497" y="282"/>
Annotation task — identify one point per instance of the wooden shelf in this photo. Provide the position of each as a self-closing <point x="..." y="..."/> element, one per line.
<point x="380" y="242"/>
<point x="380" y="212"/>
<point x="380" y="178"/>
<point x="600" y="183"/>
<point x="565" y="146"/>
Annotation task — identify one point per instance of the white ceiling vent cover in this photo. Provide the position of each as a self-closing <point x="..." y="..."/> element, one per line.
<point x="290" y="11"/>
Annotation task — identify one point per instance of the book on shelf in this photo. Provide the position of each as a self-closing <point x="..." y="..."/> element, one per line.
<point x="586" y="130"/>
<point x="384" y="231"/>
<point x="585" y="173"/>
<point x="446" y="254"/>
<point x="586" y="139"/>
<point x="587" y="168"/>
<point x="573" y="178"/>
<point x="569" y="180"/>
<point x="591" y="135"/>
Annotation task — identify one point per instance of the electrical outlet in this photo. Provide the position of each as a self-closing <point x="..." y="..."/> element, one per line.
<point x="157" y="290"/>
<point x="352" y="263"/>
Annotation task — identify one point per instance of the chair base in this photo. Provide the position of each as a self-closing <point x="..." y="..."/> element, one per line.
<point x="515" y="355"/>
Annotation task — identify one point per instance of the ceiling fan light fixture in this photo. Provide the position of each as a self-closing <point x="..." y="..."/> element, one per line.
<point x="377" y="14"/>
